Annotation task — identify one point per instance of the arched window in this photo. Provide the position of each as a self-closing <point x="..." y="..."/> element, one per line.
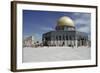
<point x="59" y="37"/>
<point x="70" y="38"/>
<point x="66" y="37"/>
<point x="56" y="37"/>
<point x="63" y="37"/>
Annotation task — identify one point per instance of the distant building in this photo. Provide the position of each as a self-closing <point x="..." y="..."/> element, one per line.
<point x="65" y="34"/>
<point x="29" y="41"/>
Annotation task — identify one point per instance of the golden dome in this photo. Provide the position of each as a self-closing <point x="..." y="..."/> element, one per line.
<point x="65" y="21"/>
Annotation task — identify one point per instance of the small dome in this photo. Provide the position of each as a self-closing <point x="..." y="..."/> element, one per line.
<point x="65" y="21"/>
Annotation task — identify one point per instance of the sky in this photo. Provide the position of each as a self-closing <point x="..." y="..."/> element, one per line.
<point x="35" y="23"/>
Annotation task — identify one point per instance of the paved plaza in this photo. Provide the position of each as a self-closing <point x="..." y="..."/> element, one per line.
<point x="48" y="54"/>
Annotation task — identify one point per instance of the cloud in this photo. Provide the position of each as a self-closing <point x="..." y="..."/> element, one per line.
<point x="37" y="37"/>
<point x="47" y="28"/>
<point x="81" y="15"/>
<point x="82" y="21"/>
<point x="84" y="29"/>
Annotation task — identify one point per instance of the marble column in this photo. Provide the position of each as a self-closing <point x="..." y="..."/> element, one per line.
<point x="76" y="42"/>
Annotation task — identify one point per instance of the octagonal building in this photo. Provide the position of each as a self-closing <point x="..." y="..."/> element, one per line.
<point x="65" y="34"/>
